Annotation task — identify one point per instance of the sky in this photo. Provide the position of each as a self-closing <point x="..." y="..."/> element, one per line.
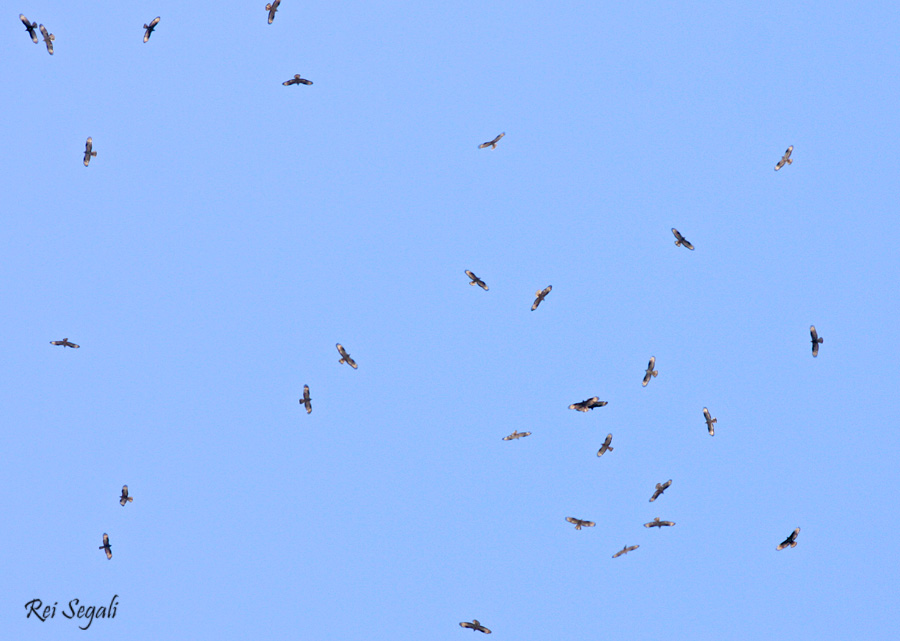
<point x="232" y="230"/>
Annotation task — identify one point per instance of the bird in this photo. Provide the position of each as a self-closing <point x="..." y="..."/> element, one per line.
<point x="65" y="343"/>
<point x="48" y="39"/>
<point x="297" y="80"/>
<point x="125" y="498"/>
<point x="345" y="357"/>
<point x="272" y="8"/>
<point x="106" y="546"/>
<point x="516" y="435"/>
<point x="29" y="27"/>
<point x="541" y="295"/>
<point x="588" y="405"/>
<point x="492" y="143"/>
<point x="680" y="240"/>
<point x="476" y="280"/>
<point x="474" y="625"/>
<point x="88" y="146"/>
<point x="816" y="341"/>
<point x="625" y="550"/>
<point x="580" y="523"/>
<point x="791" y="540"/>
<point x="306" y="400"/>
<point x="150" y="27"/>
<point x="605" y="447"/>
<point x="709" y="422"/>
<point x="660" y="488"/>
<point x="650" y="371"/>
<point x="657" y="523"/>
<point x="785" y="159"/>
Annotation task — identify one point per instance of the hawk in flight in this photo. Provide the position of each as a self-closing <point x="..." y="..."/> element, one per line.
<point x="88" y="153"/>
<point x="625" y="550"/>
<point x="660" y="488"/>
<point x="515" y="435"/>
<point x="605" y="447"/>
<point x="306" y="401"/>
<point x="578" y="523"/>
<point x="297" y="80"/>
<point x="588" y="405"/>
<point x="657" y="523"/>
<point x="475" y="625"/>
<point x="48" y="39"/>
<point x="492" y="143"/>
<point x="785" y="159"/>
<point x="65" y="343"/>
<point x="345" y="357"/>
<point x="541" y="295"/>
<point x="125" y="498"/>
<point x="650" y="371"/>
<point x="29" y="27"/>
<point x="791" y="540"/>
<point x="680" y="240"/>
<point x="816" y="341"/>
<point x="106" y="546"/>
<point x="709" y="422"/>
<point x="476" y="281"/>
<point x="272" y="8"/>
<point x="150" y="27"/>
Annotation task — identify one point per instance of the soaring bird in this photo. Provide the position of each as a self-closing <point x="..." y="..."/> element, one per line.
<point x="297" y="80"/>
<point x="125" y="498"/>
<point x="709" y="422"/>
<point x="578" y="523"/>
<point x="785" y="159"/>
<point x="48" y="39"/>
<point x="660" y="488"/>
<point x="605" y="447"/>
<point x="476" y="281"/>
<point x="272" y="8"/>
<point x="106" y="546"/>
<point x="516" y="435"/>
<point x="650" y="371"/>
<point x="791" y="540"/>
<point x="816" y="341"/>
<point x="625" y="550"/>
<point x="29" y="27"/>
<point x="88" y="146"/>
<point x="65" y="343"/>
<point x="680" y="240"/>
<point x="345" y="357"/>
<point x="657" y="523"/>
<point x="492" y="143"/>
<point x="588" y="405"/>
<point x="541" y="295"/>
<point x="306" y="400"/>
<point x="475" y="625"/>
<point x="150" y="27"/>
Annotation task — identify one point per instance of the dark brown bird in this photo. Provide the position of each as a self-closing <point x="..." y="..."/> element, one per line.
<point x="272" y="8"/>
<point x="492" y="143"/>
<point x="297" y="80"/>
<point x="680" y="240"/>
<point x="150" y="27"/>
<point x="785" y="159"/>
<point x="88" y="146"/>
<point x="660" y="488"/>
<point x="625" y="550"/>
<point x="816" y="341"/>
<point x="48" y="39"/>
<point x="541" y="295"/>
<point x="29" y="27"/>
<point x="791" y="540"/>
<point x="606" y="447"/>
<point x="588" y="405"/>
<point x="476" y="281"/>
<point x="106" y="546"/>
<point x="516" y="435"/>
<point x="709" y="422"/>
<point x="657" y="523"/>
<point x="306" y="400"/>
<point x="125" y="498"/>
<point x="579" y="523"/>
<point x="345" y="357"/>
<point x="65" y="343"/>
<point x="650" y="371"/>
<point x="475" y="625"/>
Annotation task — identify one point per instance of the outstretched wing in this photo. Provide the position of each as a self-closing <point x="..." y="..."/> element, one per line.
<point x="572" y="520"/>
<point x="29" y="26"/>
<point x="48" y="39"/>
<point x="150" y="27"/>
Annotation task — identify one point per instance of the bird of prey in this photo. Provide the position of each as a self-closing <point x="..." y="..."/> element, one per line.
<point x="589" y="404"/>
<point x="48" y="39"/>
<point x="345" y="357"/>
<point x="306" y="400"/>
<point x="65" y="343"/>
<point x="125" y="498"/>
<point x="541" y="295"/>
<point x="680" y="240"/>
<point x="476" y="280"/>
<point x="492" y="143"/>
<point x="605" y="447"/>
<point x="657" y="523"/>
<point x="272" y="8"/>
<point x="816" y="341"/>
<point x="650" y="371"/>
<point x="625" y="550"/>
<point x="785" y="159"/>
<point x="29" y="27"/>
<point x="579" y="523"/>
<point x="297" y="80"/>
<point x="660" y="488"/>
<point x="106" y="546"/>
<point x="515" y="435"/>
<point x="88" y="146"/>
<point x="709" y="422"/>
<point x="150" y="27"/>
<point x="791" y="540"/>
<point x="475" y="625"/>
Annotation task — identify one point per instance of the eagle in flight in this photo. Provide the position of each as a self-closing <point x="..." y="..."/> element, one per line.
<point x="476" y="281"/>
<point x="579" y="523"/>
<point x="680" y="240"/>
<point x="625" y="550"/>
<point x="345" y="357"/>
<point x="606" y="447"/>
<point x="588" y="405"/>
<point x="474" y="625"/>
<point x="297" y="80"/>
<point x="657" y="523"/>
<point x="65" y="343"/>
<point x="816" y="341"/>
<point x="709" y="422"/>
<point x="492" y="143"/>
<point x="660" y="488"/>
<point x="48" y="39"/>
<point x="106" y="547"/>
<point x="541" y="295"/>
<point x="516" y="435"/>
<point x="150" y="27"/>
<point x="790" y="541"/>
<point x="29" y="27"/>
<point x="650" y="371"/>
<point x="125" y="498"/>
<point x="306" y="401"/>
<point x="88" y="151"/>
<point x="785" y="159"/>
<point x="272" y="8"/>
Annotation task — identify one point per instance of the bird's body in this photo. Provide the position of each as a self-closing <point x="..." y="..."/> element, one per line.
<point x="345" y="357"/>
<point x="297" y="80"/>
<point x="606" y="446"/>
<point x="657" y="523"/>
<point x="625" y="550"/>
<point x="816" y="341"/>
<point x="660" y="488"/>
<point x="150" y="27"/>
<point x="306" y="401"/>
<point x="709" y="422"/>
<point x="48" y="39"/>
<point x="790" y="541"/>
<point x="516" y="435"/>
<point x="106" y="547"/>
<point x="30" y="28"/>
<point x="272" y="8"/>
<point x="65" y="343"/>
<point x="125" y="498"/>
<point x="492" y="143"/>
<point x="588" y="405"/>
<point x="541" y="295"/>
<point x="474" y="625"/>
<point x="680" y="240"/>
<point x="579" y="523"/>
<point x="88" y="151"/>
<point x="785" y="159"/>
<point x="476" y="281"/>
<point x="650" y="371"/>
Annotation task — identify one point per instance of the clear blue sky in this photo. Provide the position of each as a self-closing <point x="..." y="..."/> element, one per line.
<point x="231" y="230"/>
